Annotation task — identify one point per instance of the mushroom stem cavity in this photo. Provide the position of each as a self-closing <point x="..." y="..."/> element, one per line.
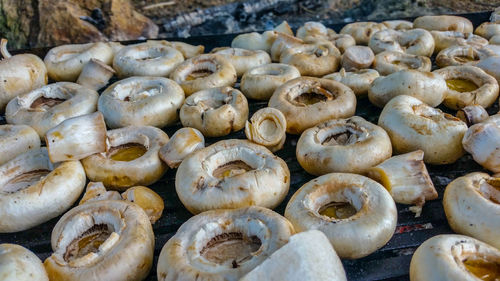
<point x="338" y="210"/>
<point x="337" y="205"/>
<point x="231" y="169"/>
<point x="202" y="69"/>
<point x="44" y="102"/>
<point x="461" y="85"/>
<point x="127" y="152"/>
<point x="344" y="134"/>
<point x="483" y="268"/>
<point x="231" y="248"/>
<point x="87" y="242"/>
<point x="312" y="95"/>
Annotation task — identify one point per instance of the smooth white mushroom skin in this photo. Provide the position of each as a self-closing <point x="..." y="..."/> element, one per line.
<point x="488" y="29"/>
<point x="491" y="65"/>
<point x="482" y="141"/>
<point x="341" y="41"/>
<point x="141" y="101"/>
<point x="444" y="23"/>
<point x="312" y="29"/>
<point x="359" y="81"/>
<point x="267" y="127"/>
<point x="96" y="191"/>
<point x="255" y="41"/>
<point x="147" y="199"/>
<point x="260" y="82"/>
<point x="231" y="174"/>
<point x="187" y="50"/>
<point x="15" y="140"/>
<point x="357" y="214"/>
<point x="454" y="257"/>
<point x="222" y="244"/>
<point x="77" y="138"/>
<point x="243" y="60"/>
<point x="414" y="41"/>
<point x="95" y="75"/>
<point x="316" y="59"/>
<point x="462" y="54"/>
<point x="33" y="191"/>
<point x="284" y="27"/>
<point x="20" y="264"/>
<point x="472" y="114"/>
<point x="308" y="256"/>
<point x="389" y="62"/>
<point x="446" y="39"/>
<point x="281" y="43"/>
<point x="181" y="144"/>
<point x="103" y="240"/>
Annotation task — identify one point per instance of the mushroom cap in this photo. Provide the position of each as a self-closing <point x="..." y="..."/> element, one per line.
<point x="185" y="257"/>
<point x="414" y="41"/>
<point x="389" y="62"/>
<point x="359" y="81"/>
<point x="482" y="140"/>
<point x="488" y="29"/>
<point x="398" y="24"/>
<point x="462" y="54"/>
<point x="357" y="57"/>
<point x="354" y="237"/>
<point x="231" y="174"/>
<point x="267" y="127"/>
<point x="260" y="82"/>
<point x="281" y="43"/>
<point x="312" y="28"/>
<point x="255" y="41"/>
<point x="446" y="39"/>
<point x="362" y="31"/>
<point x="243" y="60"/>
<point x="183" y="142"/>
<point x="491" y="65"/>
<point x="20" y="264"/>
<point x="342" y="41"/>
<point x="316" y="59"/>
<point x="444" y="23"/>
<point x="15" y="140"/>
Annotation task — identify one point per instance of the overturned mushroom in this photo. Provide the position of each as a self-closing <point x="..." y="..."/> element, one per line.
<point x="359" y="81"/>
<point x="33" y="191"/>
<point x="95" y="237"/>
<point x="231" y="174"/>
<point x="15" y="140"/>
<point x="181" y="144"/>
<point x="222" y="244"/>
<point x="267" y="127"/>
<point x="415" y="41"/>
<point x="462" y="54"/>
<point x="20" y="264"/>
<point x="95" y="75"/>
<point x="147" y="199"/>
<point x="389" y="62"/>
<point x="444" y="23"/>
<point x="482" y="140"/>
<point x="260" y="82"/>
<point x="316" y="59"/>
<point x="243" y="60"/>
<point x="362" y="31"/>
<point x="446" y="39"/>
<point x="472" y="114"/>
<point x="357" y="57"/>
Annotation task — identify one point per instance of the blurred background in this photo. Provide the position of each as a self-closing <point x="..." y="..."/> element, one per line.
<point x="41" y="23"/>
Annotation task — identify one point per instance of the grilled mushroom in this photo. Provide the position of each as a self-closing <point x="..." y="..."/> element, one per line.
<point x="243" y="60"/>
<point x="341" y="41"/>
<point x="222" y="244"/>
<point x="359" y="81"/>
<point x="20" y="264"/>
<point x="260" y="82"/>
<point x="281" y="43"/>
<point x="141" y="101"/>
<point x="181" y="144"/>
<point x="231" y="174"/>
<point x="462" y="54"/>
<point x="398" y="24"/>
<point x="446" y="39"/>
<point x="472" y="114"/>
<point x="444" y="23"/>
<point x="488" y="29"/>
<point x="132" y="158"/>
<point x="147" y="199"/>
<point x="96" y="191"/>
<point x="357" y="57"/>
<point x="316" y="59"/>
<point x="343" y="145"/>
<point x="414" y="41"/>
<point x="454" y="257"/>
<point x="33" y="191"/>
<point x="15" y="140"/>
<point x="491" y="65"/>
<point x="95" y="75"/>
<point x="267" y="127"/>
<point x="357" y="214"/>
<point x="255" y="41"/>
<point x="413" y="125"/>
<point x="46" y="107"/>
<point x="312" y="29"/>
<point x="187" y="50"/>
<point x="389" y="62"/>
<point x="482" y="140"/>
<point x="362" y="31"/>
<point x="307" y="101"/>
<point x="103" y="240"/>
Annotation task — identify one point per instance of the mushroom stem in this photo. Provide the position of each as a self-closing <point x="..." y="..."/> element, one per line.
<point x="95" y="75"/>
<point x="3" y="49"/>
<point x="472" y="114"/>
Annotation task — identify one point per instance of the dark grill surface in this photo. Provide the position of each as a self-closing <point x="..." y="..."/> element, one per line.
<point x="388" y="263"/>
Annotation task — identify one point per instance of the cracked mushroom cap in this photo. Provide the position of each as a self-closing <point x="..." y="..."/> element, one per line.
<point x="357" y="214"/>
<point x="362" y="31"/>
<point x="307" y="101"/>
<point x="33" y="190"/>
<point x="359" y="81"/>
<point x="350" y="145"/>
<point x="20" y="264"/>
<point x="414" y="41"/>
<point x="103" y="240"/>
<point x="141" y="101"/>
<point x="389" y="62"/>
<point x="446" y="39"/>
<point x="444" y="23"/>
<point x="15" y="140"/>
<point x="260" y="82"/>
<point x="231" y="174"/>
<point x="132" y="158"/>
<point x="223" y="245"/>
<point x="412" y="125"/>
<point x="46" y="107"/>
<point x="454" y="257"/>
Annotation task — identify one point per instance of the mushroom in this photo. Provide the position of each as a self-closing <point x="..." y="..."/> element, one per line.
<point x="282" y="43"/>
<point x="444" y="23"/>
<point x="243" y="60"/>
<point x="342" y="41"/>
<point x="260" y="82"/>
<point x="389" y="62"/>
<point x="95" y="75"/>
<point x="357" y="214"/>
<point x="316" y="59"/>
<point x="312" y="29"/>
<point x="15" y="140"/>
<point x="412" y="125"/>
<point x="415" y="42"/>
<point x="65" y="63"/>
<point x="181" y="144"/>
<point x="446" y="39"/>
<point x="426" y="86"/>
<point x="76" y="138"/>
<point x="454" y="257"/>
<point x="103" y="240"/>
<point x="132" y="158"/>
<point x="406" y="178"/>
<point x="495" y="40"/>
<point x="398" y="24"/>
<point x="256" y="41"/>
<point x="343" y="145"/>
<point x="468" y="85"/>
<point x="362" y="31"/>
<point x="46" y="107"/>
<point x="307" y="101"/>
<point x="222" y="244"/>
<point x="482" y="140"/>
<point x="308" y="256"/>
<point x="147" y="199"/>
<point x="471" y="204"/>
<point x="231" y="174"/>
<point x="33" y="191"/>
<point x="151" y="58"/>
<point x="495" y="15"/>
<point x="203" y="72"/>
<point x="359" y="81"/>
<point x="141" y="101"/>
<point x="357" y="57"/>
<point x="267" y="127"/>
<point x="215" y="112"/>
<point x="96" y="191"/>
<point x="472" y="114"/>
<point x="187" y="50"/>
<point x="491" y="65"/>
<point x="488" y="29"/>
<point x="462" y="54"/>
<point x="20" y="264"/>
<point x="284" y="27"/>
<point x="19" y="74"/>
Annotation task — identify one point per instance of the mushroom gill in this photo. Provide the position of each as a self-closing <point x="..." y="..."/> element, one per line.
<point x="87" y="242"/>
<point x="231" y="248"/>
<point x="24" y="180"/>
<point x="231" y="169"/>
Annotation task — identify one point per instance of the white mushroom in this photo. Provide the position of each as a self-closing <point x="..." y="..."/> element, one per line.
<point x="398" y="24"/>
<point x="357" y="214"/>
<point x="76" y="138"/>
<point x="495" y="40"/>
<point x="446" y="39"/>
<point x="389" y="62"/>
<point x="414" y="41"/>
<point x="472" y="114"/>
<point x="260" y="82"/>
<point x="187" y="50"/>
<point x="33" y="191"/>
<point x="222" y="244"/>
<point x="231" y="174"/>
<point x="15" y="140"/>
<point x="444" y="23"/>
<point x="65" y="63"/>
<point x="103" y="240"/>
<point x="256" y="41"/>
<point x="215" y="112"/>
<point x="19" y="74"/>
<point x="132" y="158"/>
<point x="20" y="264"/>
<point x="462" y="54"/>
<point x="482" y="140"/>
<point x="147" y="199"/>
<point x="181" y="144"/>
<point x="454" y="257"/>
<point x="488" y="29"/>
<point x="357" y="57"/>
<point x="243" y="60"/>
<point x="316" y="59"/>
<point x="362" y="31"/>
<point x="342" y="41"/>
<point x="491" y="65"/>
<point x="141" y="101"/>
<point x="413" y="125"/>
<point x="281" y="43"/>
<point x="359" y="81"/>
<point x="312" y="29"/>
<point x="46" y="107"/>
<point x="343" y="145"/>
<point x="267" y="127"/>
<point x="495" y="15"/>
<point x="96" y="191"/>
<point x="95" y="75"/>
<point x="284" y="27"/>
